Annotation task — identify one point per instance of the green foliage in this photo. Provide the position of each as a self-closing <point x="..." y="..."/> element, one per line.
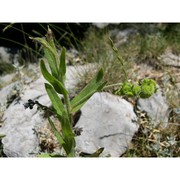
<point x="93" y="86"/>
<point x="57" y="103"/>
<point x="56" y="78"/>
<point x="148" y="88"/>
<point x="58" y="86"/>
<point x="145" y="89"/>
<point x="95" y="154"/>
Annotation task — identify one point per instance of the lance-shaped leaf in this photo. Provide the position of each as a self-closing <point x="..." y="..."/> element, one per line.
<point x="58" y="86"/>
<point x="56" y="132"/>
<point x="93" y="86"/>
<point x="56" y="101"/>
<point x="62" y="65"/>
<point x="67" y="138"/>
<point x="68" y="134"/>
<point x="50" y="54"/>
<point x="95" y="154"/>
<point x="51" y="58"/>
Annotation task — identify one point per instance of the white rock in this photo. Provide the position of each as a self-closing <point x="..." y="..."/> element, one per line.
<point x="7" y="56"/>
<point x="4" y="56"/>
<point x="18" y="125"/>
<point x="170" y="59"/>
<point x="7" y="79"/>
<point x="156" y="108"/>
<point x="107" y="121"/>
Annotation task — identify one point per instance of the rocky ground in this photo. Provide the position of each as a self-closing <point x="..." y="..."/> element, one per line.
<point x="107" y="120"/>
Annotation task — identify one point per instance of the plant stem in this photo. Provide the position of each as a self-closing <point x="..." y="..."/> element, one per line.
<point x="67" y="103"/>
<point x="119" y="57"/>
<point x="112" y="85"/>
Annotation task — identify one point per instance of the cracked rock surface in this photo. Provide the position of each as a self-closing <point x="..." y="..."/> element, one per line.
<point x="107" y="121"/>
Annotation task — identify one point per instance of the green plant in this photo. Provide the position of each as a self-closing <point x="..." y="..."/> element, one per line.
<point x="56" y="85"/>
<point x="145" y="89"/>
<point x="56" y="78"/>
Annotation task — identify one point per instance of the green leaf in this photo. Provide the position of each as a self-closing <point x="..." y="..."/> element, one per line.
<point x="56" y="101"/>
<point x="50" y="54"/>
<point x="51" y="58"/>
<point x="44" y="155"/>
<point x="57" y="134"/>
<point x="147" y="91"/>
<point x="42" y="41"/>
<point x="95" y="154"/>
<point x="93" y="86"/>
<point x="58" y="86"/>
<point x="57" y="156"/>
<point x="99" y="75"/>
<point x="126" y="89"/>
<point x="148" y="88"/>
<point x="68" y="135"/>
<point x="136" y="89"/>
<point x="62" y="66"/>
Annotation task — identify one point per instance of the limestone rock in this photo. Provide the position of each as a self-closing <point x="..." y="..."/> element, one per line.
<point x="170" y="59"/>
<point x="107" y="121"/>
<point x="156" y="108"/>
<point x="19" y="124"/>
<point x="7" y="56"/>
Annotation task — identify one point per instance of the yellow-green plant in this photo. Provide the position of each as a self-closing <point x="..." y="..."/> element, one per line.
<point x="56" y="78"/>
<point x="144" y="89"/>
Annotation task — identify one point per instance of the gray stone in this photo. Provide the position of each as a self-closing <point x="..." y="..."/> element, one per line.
<point x="107" y="121"/>
<point x="7" y="56"/>
<point x="7" y="90"/>
<point x="7" y="79"/>
<point x="19" y="124"/>
<point x="170" y="59"/>
<point x="156" y="108"/>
